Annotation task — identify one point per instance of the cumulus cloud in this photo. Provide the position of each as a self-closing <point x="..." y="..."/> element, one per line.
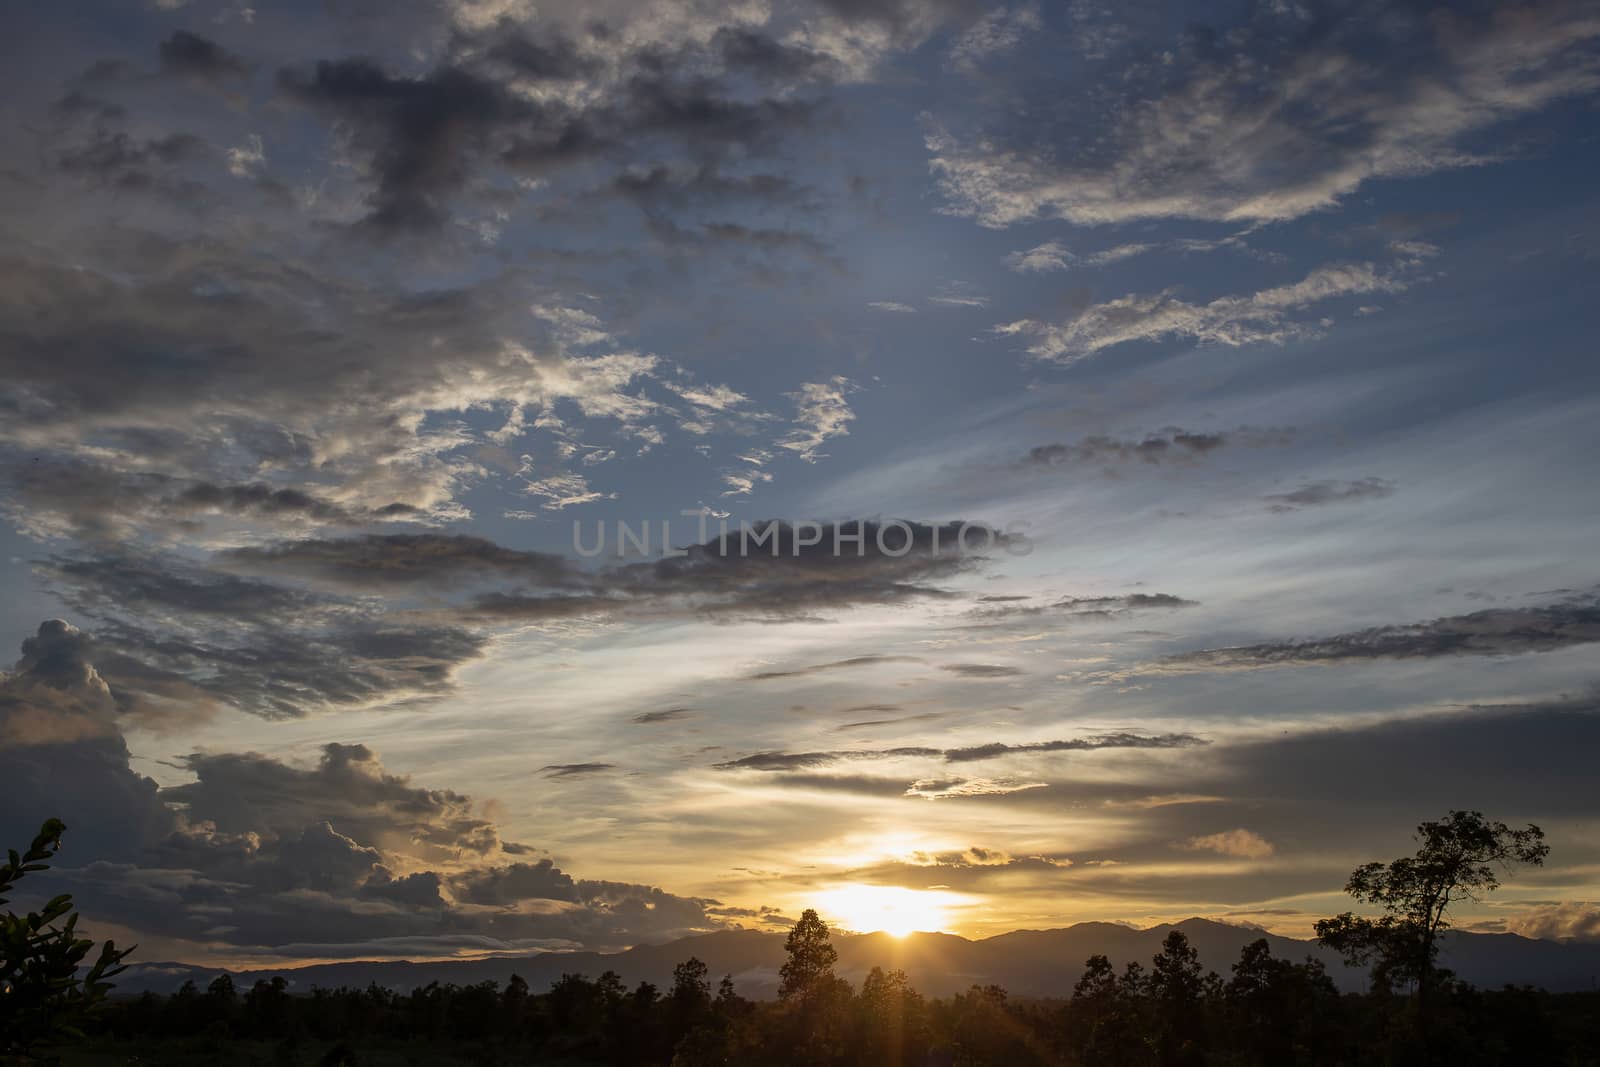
<point x="266" y="857"/>
<point x="1270" y="128"/>
<point x="54" y="694"/>
<point x="1572" y="920"/>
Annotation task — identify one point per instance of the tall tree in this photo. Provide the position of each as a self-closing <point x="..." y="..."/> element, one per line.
<point x="1459" y="857"/>
<point x="809" y="968"/>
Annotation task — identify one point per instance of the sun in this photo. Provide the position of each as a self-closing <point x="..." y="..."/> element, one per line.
<point x="890" y="909"/>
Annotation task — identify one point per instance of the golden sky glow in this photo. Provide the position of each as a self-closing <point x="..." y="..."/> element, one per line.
<point x="889" y="909"/>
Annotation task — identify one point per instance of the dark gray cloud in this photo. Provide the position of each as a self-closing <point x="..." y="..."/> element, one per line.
<point x="118" y="160"/>
<point x="1317" y="494"/>
<point x="927" y="716"/>
<point x="574" y="770"/>
<point x="782" y="576"/>
<point x="1169" y="446"/>
<point x="400" y="561"/>
<point x="290" y="627"/>
<point x="60" y="723"/>
<point x="172" y="630"/>
<point x="650" y="718"/>
<point x="793" y="761"/>
<point x="1492" y="632"/>
<point x="982" y="670"/>
<point x="1080" y="608"/>
<point x="266" y="857"/>
<point x="833" y="665"/>
<point x="193" y="58"/>
<point x="428" y="138"/>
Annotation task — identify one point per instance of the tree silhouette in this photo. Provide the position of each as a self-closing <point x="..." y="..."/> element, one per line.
<point x="1459" y="858"/>
<point x="41" y="996"/>
<point x="811" y="958"/>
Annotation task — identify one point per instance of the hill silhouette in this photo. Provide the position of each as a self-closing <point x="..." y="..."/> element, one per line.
<point x="1037" y="963"/>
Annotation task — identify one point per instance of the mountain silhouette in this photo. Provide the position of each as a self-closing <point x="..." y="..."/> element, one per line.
<point x="1042" y="963"/>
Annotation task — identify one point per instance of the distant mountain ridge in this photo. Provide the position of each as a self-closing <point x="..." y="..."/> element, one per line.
<point x="1036" y="963"/>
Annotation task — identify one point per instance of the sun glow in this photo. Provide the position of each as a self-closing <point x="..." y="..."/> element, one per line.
<point x="891" y="909"/>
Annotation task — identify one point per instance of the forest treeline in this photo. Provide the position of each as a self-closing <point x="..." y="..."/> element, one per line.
<point x="54" y="1006"/>
<point x="1268" y="1012"/>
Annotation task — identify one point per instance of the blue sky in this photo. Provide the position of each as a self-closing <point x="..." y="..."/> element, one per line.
<point x="1262" y="333"/>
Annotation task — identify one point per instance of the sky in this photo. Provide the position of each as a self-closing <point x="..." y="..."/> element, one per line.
<point x="1180" y="420"/>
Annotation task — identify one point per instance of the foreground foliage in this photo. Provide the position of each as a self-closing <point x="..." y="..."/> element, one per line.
<point x="42" y="997"/>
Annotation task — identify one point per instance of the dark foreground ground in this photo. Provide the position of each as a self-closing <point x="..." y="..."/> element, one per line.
<point x="1283" y="1014"/>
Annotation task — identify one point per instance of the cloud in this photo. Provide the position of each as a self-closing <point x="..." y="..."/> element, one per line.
<point x="822" y="413"/>
<point x="313" y="625"/>
<point x="171" y="631"/>
<point x="1054" y="256"/>
<point x="835" y="665"/>
<point x="1493" y="632"/>
<point x="54" y="695"/>
<point x="982" y="670"/>
<point x="425" y="139"/>
<point x="404" y="561"/>
<point x="792" y="761"/>
<point x="261" y="857"/>
<point x="1317" y="494"/>
<point x="1572" y="920"/>
<point x="1265" y="317"/>
<point x="996" y="33"/>
<point x="650" y="718"/>
<point x="1081" y="608"/>
<point x="1050" y="256"/>
<point x="574" y="770"/>
<point x="959" y="295"/>
<point x="1239" y="844"/>
<point x="951" y="788"/>
<point x="192" y="58"/>
<point x="1169" y="446"/>
<point x="1269" y="128"/>
<point x="890" y="305"/>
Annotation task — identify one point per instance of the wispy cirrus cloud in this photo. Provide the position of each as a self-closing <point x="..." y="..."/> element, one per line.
<point x="1269" y="316"/>
<point x="1266" y="130"/>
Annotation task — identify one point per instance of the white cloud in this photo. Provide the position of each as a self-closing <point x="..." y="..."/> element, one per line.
<point x="1265" y="317"/>
<point x="1052" y="255"/>
<point x="997" y="31"/>
<point x="247" y="159"/>
<point x="823" y="413"/>
<point x="1240" y="844"/>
